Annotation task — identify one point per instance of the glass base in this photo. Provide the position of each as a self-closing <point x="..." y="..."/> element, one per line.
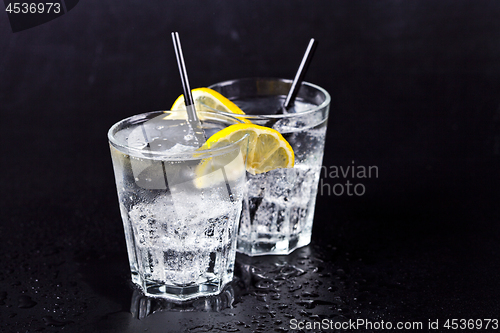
<point x="142" y="306"/>
<point x="262" y="246"/>
<point x="177" y="293"/>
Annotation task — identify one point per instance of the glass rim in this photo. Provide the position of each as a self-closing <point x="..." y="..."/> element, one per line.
<point x="317" y="108"/>
<point x="165" y="155"/>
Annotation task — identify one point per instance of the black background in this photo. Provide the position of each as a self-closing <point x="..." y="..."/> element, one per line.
<point x="415" y="89"/>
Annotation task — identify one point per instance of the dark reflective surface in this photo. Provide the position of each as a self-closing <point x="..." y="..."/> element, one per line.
<point x="142" y="306"/>
<point x="415" y="91"/>
<point x="266" y="292"/>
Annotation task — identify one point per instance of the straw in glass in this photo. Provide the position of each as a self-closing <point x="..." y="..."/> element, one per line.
<point x="193" y="119"/>
<point x="299" y="76"/>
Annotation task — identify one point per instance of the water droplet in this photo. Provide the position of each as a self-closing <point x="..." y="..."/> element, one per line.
<point x="318" y="283"/>
<point x="26" y="302"/>
<point x="291" y="270"/>
<point x="49" y="321"/>
<point x="341" y="273"/>
<point x="261" y="297"/>
<point x="281" y="329"/>
<point x="312" y="303"/>
<point x="3" y="296"/>
<point x="309" y="294"/>
<point x="263" y="284"/>
<point x="305" y="313"/>
<point x="275" y="296"/>
<point x="308" y="304"/>
<point x="288" y="271"/>
<point x="224" y="328"/>
<point x="202" y="328"/>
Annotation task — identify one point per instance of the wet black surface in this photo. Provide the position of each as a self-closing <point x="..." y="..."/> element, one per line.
<point x="415" y="92"/>
<point x="370" y="269"/>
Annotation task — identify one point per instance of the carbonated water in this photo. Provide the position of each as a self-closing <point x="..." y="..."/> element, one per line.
<point x="278" y="214"/>
<point x="180" y="238"/>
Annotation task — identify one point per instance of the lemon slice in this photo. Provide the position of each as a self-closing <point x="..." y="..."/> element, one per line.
<point x="206" y="99"/>
<point x="265" y="149"/>
<point x="228" y="167"/>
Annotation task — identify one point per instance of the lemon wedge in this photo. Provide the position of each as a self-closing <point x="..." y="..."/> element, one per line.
<point x="264" y="149"/>
<point x="206" y="99"/>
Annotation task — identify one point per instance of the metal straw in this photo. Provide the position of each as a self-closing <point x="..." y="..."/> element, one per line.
<point x="306" y="60"/>
<point x="193" y="119"/>
<point x="188" y="99"/>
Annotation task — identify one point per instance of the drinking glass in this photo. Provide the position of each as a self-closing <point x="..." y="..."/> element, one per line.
<point x="279" y="207"/>
<point x="180" y="205"/>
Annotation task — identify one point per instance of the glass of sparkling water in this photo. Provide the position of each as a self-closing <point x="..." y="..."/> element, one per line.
<point x="180" y="206"/>
<point x="279" y="207"/>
